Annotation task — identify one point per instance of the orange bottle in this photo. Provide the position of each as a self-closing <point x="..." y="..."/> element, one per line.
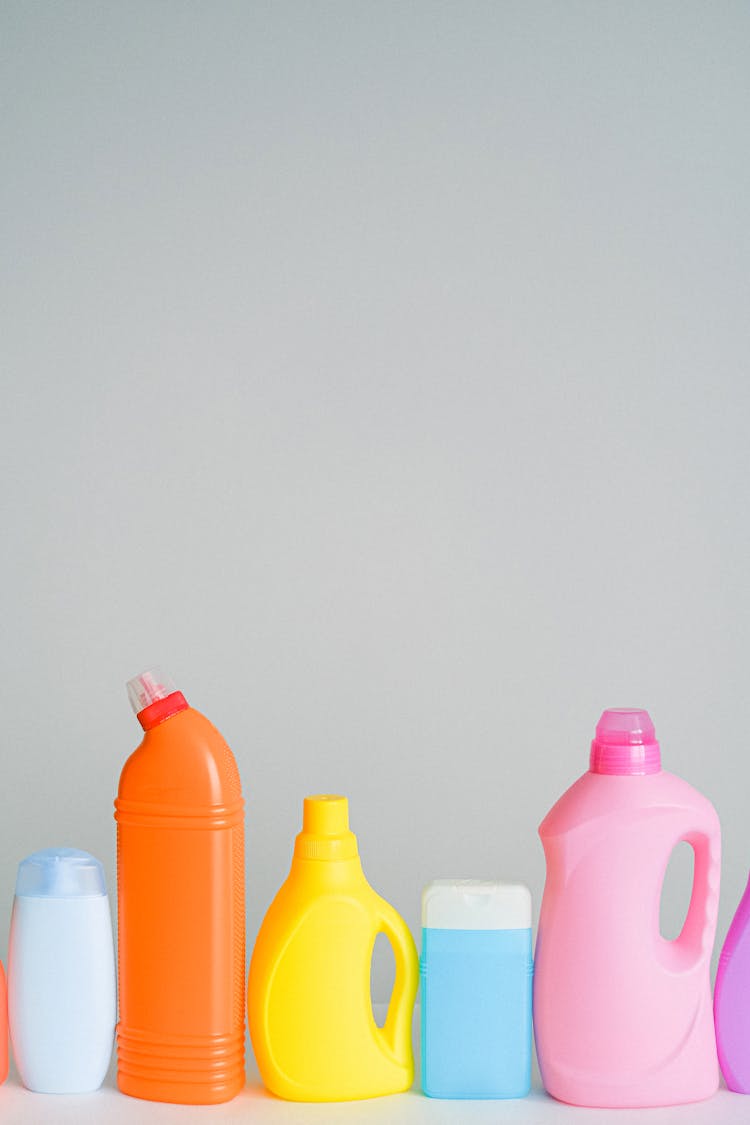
<point x="181" y="906"/>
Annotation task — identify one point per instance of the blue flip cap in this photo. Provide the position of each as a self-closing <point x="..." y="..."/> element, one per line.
<point x="60" y="873"/>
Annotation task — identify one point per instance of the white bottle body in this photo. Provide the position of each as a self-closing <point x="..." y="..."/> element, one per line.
<point x="62" y="1004"/>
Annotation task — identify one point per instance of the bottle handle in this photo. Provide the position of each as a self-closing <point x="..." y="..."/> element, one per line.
<point x="695" y="939"/>
<point x="397" y="1027"/>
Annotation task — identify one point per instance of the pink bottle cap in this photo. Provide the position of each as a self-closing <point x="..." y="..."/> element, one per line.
<point x="625" y="743"/>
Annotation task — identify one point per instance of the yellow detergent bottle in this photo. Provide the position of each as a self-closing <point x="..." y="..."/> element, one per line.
<point x="310" y="1013"/>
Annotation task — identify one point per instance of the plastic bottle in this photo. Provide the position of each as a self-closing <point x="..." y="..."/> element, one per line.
<point x="61" y="973"/>
<point x="311" y="1019"/>
<point x="623" y="1016"/>
<point x="732" y="1001"/>
<point x="476" y="972"/>
<point x="181" y="899"/>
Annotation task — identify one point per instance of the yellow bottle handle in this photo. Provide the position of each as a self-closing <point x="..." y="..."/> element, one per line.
<point x="397" y="1027"/>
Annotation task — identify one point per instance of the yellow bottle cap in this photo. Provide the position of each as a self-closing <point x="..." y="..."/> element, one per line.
<point x="325" y="829"/>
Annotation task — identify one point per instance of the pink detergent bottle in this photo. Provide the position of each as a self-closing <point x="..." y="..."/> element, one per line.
<point x="622" y="1016"/>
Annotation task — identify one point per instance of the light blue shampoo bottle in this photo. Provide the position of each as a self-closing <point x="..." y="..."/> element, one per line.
<point x="476" y="975"/>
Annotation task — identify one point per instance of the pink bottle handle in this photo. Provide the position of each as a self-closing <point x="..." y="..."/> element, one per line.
<point x="695" y="940"/>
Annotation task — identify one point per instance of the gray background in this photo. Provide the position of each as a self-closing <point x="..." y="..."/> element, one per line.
<point x="380" y="370"/>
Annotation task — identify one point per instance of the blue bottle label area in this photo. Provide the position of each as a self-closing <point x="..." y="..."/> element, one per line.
<point x="476" y="1013"/>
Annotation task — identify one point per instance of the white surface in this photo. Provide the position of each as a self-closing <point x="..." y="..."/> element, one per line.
<point x="474" y="904"/>
<point x="254" y="1106"/>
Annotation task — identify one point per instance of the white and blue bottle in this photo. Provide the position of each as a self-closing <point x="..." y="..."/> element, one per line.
<point x="61" y="973"/>
<point x="476" y="974"/>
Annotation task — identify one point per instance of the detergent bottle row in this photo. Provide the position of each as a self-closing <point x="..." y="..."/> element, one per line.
<point x="622" y="1016"/>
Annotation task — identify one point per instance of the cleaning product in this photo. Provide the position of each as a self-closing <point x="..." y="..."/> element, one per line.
<point x="310" y="1012"/>
<point x="622" y="1016"/>
<point x="476" y="971"/>
<point x="181" y="906"/>
<point x="732" y="1001"/>
<point x="62" y="1005"/>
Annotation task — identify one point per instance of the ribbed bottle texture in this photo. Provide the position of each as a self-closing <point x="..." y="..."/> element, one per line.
<point x="195" y="1071"/>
